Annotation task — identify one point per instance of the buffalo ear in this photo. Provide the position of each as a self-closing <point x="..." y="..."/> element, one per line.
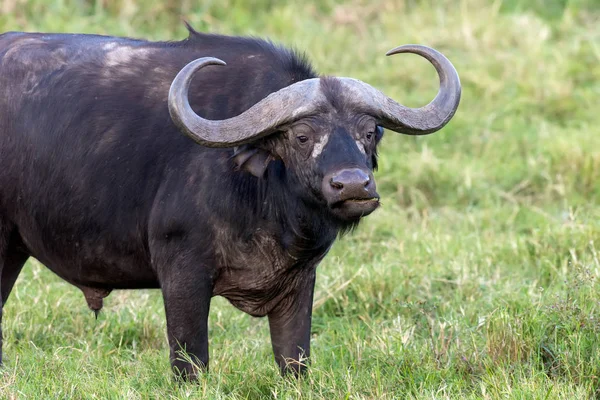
<point x="378" y="137"/>
<point x="378" y="134"/>
<point x="252" y="159"/>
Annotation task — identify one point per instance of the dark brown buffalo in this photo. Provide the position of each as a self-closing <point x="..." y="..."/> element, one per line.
<point x="98" y="182"/>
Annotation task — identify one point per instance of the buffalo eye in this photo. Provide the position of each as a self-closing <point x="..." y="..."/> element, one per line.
<point x="302" y="138"/>
<point x="368" y="126"/>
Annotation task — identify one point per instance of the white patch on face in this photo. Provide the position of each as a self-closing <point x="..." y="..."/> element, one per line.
<point x="319" y="146"/>
<point x="361" y="147"/>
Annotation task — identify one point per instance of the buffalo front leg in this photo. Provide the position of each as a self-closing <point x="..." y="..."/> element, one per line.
<point x="290" y="322"/>
<point x="187" y="293"/>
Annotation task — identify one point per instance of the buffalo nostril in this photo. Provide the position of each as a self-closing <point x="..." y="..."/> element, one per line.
<point x="350" y="179"/>
<point x="336" y="183"/>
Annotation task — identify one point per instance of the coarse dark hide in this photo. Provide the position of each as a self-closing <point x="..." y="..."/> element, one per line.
<point x="98" y="182"/>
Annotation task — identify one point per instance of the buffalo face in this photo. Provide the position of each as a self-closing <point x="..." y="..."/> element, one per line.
<point x="325" y="131"/>
<point x="332" y="159"/>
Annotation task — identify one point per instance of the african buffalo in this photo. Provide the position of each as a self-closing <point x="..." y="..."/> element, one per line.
<point x="98" y="182"/>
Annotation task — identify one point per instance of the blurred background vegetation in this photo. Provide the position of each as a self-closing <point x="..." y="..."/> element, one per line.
<point x="477" y="278"/>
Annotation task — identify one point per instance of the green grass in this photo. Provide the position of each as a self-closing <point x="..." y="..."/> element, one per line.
<point x="477" y="279"/>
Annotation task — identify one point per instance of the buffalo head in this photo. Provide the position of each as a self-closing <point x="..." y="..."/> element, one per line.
<point x="324" y="130"/>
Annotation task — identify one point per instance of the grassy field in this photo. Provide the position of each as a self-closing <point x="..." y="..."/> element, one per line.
<point x="478" y="278"/>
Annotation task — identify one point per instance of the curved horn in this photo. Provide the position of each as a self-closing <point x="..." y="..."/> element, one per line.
<point x="305" y="98"/>
<point x="284" y="106"/>
<point x="399" y="118"/>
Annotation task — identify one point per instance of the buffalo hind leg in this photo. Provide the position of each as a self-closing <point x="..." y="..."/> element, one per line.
<point x="11" y="263"/>
<point x="290" y="324"/>
<point x="11" y="267"/>
<point x="187" y="291"/>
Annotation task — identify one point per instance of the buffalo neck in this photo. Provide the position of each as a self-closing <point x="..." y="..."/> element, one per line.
<point x="272" y="206"/>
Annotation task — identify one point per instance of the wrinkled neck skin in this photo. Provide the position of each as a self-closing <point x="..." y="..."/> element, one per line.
<point x="267" y="237"/>
<point x="276" y="205"/>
